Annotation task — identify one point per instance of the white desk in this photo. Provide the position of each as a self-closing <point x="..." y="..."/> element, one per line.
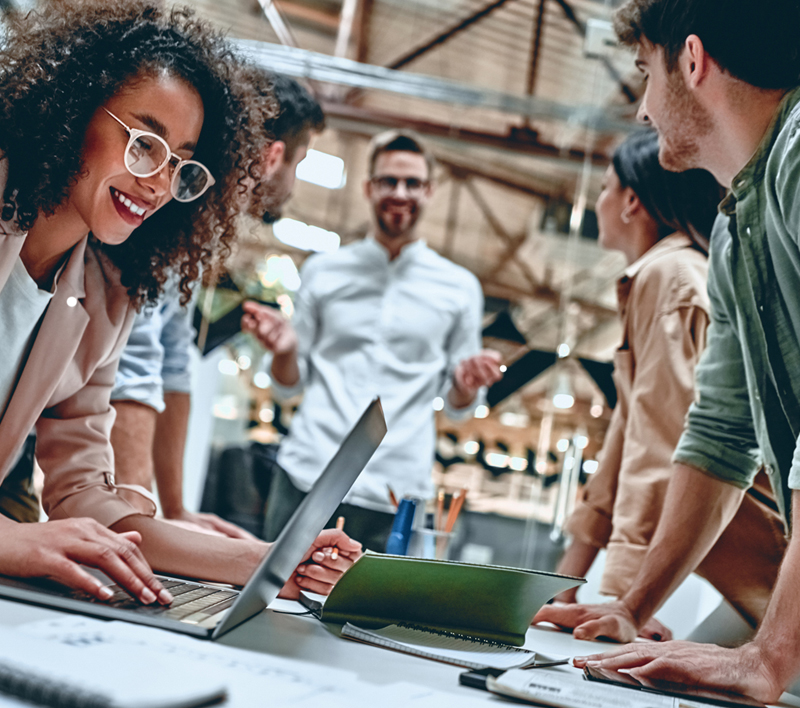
<point x="308" y="640"/>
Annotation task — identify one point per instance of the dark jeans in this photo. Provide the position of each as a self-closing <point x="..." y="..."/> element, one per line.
<point x="369" y="527"/>
<point x="18" y="501"/>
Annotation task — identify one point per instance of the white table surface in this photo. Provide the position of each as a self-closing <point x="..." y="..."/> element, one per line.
<point x="308" y="640"/>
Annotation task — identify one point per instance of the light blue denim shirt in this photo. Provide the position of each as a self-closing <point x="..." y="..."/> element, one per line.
<point x="747" y="407"/>
<point x="156" y="358"/>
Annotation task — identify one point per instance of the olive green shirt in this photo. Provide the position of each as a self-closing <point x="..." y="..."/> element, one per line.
<point x="747" y="403"/>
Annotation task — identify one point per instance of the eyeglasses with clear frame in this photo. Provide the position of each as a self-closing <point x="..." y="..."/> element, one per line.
<point x="146" y="154"/>
<point x="386" y="184"/>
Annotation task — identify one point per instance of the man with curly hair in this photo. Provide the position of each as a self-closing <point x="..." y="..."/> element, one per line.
<point x="122" y="134"/>
<point x="723" y="92"/>
<point x="151" y="395"/>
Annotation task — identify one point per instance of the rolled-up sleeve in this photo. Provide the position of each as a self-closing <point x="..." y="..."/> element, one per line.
<point x="74" y="450"/>
<point x="463" y="342"/>
<point x="177" y="335"/>
<point x="719" y="437"/>
<point x="139" y="377"/>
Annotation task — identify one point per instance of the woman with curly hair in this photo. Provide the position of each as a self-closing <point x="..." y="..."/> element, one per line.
<point x="122" y="135"/>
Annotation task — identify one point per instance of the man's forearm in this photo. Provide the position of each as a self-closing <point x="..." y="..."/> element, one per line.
<point x="169" y="443"/>
<point x="779" y="636"/>
<point x="132" y="440"/>
<point x="285" y="369"/>
<point x="697" y="508"/>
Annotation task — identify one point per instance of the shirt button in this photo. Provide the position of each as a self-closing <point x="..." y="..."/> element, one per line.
<point x="748" y="231"/>
<point x="72" y="301"/>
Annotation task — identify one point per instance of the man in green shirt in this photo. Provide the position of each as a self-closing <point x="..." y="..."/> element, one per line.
<point x="722" y="78"/>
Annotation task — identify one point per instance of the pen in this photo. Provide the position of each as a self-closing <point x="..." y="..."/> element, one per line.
<point x="455" y="509"/>
<point x="339" y="527"/>
<point x="392" y="497"/>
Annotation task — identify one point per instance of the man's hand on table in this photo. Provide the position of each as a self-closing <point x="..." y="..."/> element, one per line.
<point x="319" y="571"/>
<point x="610" y="620"/>
<point x="745" y="669"/>
<point x="579" y="616"/>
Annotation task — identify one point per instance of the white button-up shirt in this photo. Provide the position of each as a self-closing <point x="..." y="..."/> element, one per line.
<point x="367" y="327"/>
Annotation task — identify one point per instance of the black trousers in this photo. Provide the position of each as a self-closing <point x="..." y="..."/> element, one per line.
<point x="370" y="527"/>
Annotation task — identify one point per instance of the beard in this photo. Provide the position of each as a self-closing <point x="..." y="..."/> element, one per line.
<point x="679" y="147"/>
<point x="396" y="228"/>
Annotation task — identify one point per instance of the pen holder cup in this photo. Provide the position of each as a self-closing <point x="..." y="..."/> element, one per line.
<point x="430" y="543"/>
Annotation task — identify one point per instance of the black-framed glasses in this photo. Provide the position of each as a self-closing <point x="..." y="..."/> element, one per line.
<point x="146" y="154"/>
<point x="386" y="184"/>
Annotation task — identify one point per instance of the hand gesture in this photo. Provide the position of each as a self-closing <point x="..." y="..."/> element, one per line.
<point x="480" y="370"/>
<point x="319" y="571"/>
<point x="57" y="549"/>
<point x="270" y="327"/>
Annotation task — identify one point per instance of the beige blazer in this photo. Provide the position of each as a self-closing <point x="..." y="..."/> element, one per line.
<point x="63" y="390"/>
<point x="664" y="309"/>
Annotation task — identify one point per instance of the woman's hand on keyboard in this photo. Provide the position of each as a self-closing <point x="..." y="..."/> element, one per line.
<point x="321" y="568"/>
<point x="57" y="549"/>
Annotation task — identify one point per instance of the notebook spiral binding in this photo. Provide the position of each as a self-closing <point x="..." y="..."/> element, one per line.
<point x="463" y="637"/>
<point x="34" y="689"/>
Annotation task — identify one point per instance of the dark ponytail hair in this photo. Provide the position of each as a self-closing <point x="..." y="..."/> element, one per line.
<point x="678" y="201"/>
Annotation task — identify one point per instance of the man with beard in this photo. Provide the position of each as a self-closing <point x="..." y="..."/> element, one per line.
<point x="722" y="91"/>
<point x="151" y="394"/>
<point x="385" y="317"/>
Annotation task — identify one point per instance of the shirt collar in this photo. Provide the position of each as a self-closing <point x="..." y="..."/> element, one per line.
<point x="753" y="172"/>
<point x="408" y="252"/>
<point x="666" y="245"/>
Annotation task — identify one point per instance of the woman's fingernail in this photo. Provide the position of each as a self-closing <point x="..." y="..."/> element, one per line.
<point x="148" y="596"/>
<point x="165" y="597"/>
<point x="105" y="593"/>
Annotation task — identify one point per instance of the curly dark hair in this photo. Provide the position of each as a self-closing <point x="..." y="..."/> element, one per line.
<point x="58" y="66"/>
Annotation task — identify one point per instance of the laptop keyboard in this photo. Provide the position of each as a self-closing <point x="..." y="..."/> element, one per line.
<point x="193" y="602"/>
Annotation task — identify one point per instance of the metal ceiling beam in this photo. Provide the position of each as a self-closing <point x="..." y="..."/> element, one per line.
<point x="569" y="13"/>
<point x="346" y="18"/>
<point x="533" y="65"/>
<point x="321" y="67"/>
<point x="277" y="23"/>
<point x="516" y="141"/>
<point x="441" y="38"/>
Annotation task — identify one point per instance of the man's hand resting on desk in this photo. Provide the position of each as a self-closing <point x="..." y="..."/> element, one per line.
<point x="55" y="550"/>
<point x="318" y="571"/>
<point x="744" y="670"/>
<point x="652" y="629"/>
<point x="610" y="620"/>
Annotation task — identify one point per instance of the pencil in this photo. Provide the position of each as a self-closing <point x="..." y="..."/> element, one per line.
<point x="392" y="497"/>
<point x="339" y="527"/>
<point x="455" y="508"/>
<point x="439" y="509"/>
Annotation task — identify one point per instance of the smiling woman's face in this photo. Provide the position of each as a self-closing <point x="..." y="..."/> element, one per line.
<point x="108" y="199"/>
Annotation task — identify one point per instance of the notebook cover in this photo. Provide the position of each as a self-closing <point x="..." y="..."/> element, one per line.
<point x="489" y="602"/>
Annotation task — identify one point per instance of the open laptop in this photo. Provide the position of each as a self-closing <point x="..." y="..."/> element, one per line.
<point x="207" y="610"/>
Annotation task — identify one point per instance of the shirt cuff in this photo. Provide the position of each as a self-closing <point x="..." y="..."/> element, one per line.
<point x="178" y="383"/>
<point x="106" y="504"/>
<point x="151" y="395"/>
<point x="794" y="472"/>
<point x="736" y="468"/>
<point x="467" y="411"/>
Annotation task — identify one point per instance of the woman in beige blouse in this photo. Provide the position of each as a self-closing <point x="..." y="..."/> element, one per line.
<point x="661" y="221"/>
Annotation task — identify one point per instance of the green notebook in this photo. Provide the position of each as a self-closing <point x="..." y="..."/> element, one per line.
<point x="484" y="601"/>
